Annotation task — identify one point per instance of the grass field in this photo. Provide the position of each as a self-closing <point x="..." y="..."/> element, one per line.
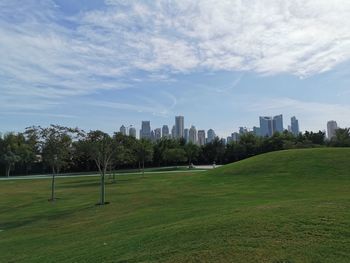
<point x="289" y="206"/>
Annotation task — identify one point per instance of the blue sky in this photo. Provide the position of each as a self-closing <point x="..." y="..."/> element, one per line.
<point x="221" y="64"/>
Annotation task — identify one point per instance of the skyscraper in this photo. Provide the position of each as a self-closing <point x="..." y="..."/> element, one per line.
<point x="278" y="123"/>
<point x="192" y="135"/>
<point x="122" y="130"/>
<point x="132" y="132"/>
<point x="210" y="135"/>
<point x="270" y="125"/>
<point x="332" y="126"/>
<point x="157" y="134"/>
<point x="145" y="132"/>
<point x="235" y="136"/>
<point x="165" y="131"/>
<point x="294" y="127"/>
<point x="201" y="137"/>
<point x="186" y="135"/>
<point x="256" y="131"/>
<point x="179" y="127"/>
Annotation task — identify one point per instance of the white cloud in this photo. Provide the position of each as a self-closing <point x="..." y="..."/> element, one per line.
<point x="45" y="54"/>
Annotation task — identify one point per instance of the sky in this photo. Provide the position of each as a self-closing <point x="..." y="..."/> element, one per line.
<point x="221" y="64"/>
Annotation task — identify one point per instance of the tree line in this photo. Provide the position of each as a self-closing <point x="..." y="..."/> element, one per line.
<point x="56" y="149"/>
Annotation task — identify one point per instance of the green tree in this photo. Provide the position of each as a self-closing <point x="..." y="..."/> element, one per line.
<point x="143" y="153"/>
<point x="10" y="152"/>
<point x="192" y="151"/>
<point x="175" y="155"/>
<point x="56" y="148"/>
<point x="100" y="147"/>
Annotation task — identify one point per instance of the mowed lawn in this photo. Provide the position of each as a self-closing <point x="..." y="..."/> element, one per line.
<point x="288" y="206"/>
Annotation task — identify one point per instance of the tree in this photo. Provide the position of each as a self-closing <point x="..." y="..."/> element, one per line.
<point x="176" y="155"/>
<point x="100" y="147"/>
<point x="341" y="138"/>
<point x="192" y="151"/>
<point x="9" y="152"/>
<point x="143" y="152"/>
<point x="56" y="147"/>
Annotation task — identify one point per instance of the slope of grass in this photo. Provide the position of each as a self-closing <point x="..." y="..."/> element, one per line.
<point x="289" y="206"/>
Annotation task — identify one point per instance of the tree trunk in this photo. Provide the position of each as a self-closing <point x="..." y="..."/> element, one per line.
<point x="53" y="197"/>
<point x="143" y="167"/>
<point x="8" y="170"/>
<point x="102" y="198"/>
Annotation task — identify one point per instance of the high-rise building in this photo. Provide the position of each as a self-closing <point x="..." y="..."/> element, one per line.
<point x="192" y="135"/>
<point x="332" y="126"/>
<point x="243" y="130"/>
<point x="270" y="125"/>
<point x="132" y="132"/>
<point x="173" y="132"/>
<point x="256" y="131"/>
<point x="294" y="126"/>
<point x="210" y="135"/>
<point x="235" y="137"/>
<point x="278" y="123"/>
<point x="157" y="134"/>
<point x="201" y="137"/>
<point x="122" y="130"/>
<point x="179" y="127"/>
<point x="186" y="135"/>
<point x="145" y="132"/>
<point x="165" y="131"/>
<point x="229" y="139"/>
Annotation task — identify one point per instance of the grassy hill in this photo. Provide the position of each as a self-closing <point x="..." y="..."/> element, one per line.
<point x="288" y="206"/>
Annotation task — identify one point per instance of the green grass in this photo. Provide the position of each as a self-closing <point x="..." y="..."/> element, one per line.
<point x="289" y="206"/>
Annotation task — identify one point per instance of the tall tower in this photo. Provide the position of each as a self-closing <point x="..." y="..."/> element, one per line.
<point x="278" y="123"/>
<point x="122" y="130"/>
<point x="179" y="127"/>
<point x="132" y="132"/>
<point x="332" y="126"/>
<point x="294" y="127"/>
<point x="165" y="131"/>
<point x="145" y="132"/>
<point x="192" y="134"/>
<point x="211" y="135"/>
<point x="201" y="137"/>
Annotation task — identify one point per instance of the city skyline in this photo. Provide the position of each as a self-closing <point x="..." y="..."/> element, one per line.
<point x="101" y="64"/>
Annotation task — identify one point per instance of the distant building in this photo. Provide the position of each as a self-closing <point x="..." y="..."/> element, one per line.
<point x="179" y="127"/>
<point x="122" y="130"/>
<point x="332" y="126"/>
<point x="256" y="131"/>
<point x="201" y="137"/>
<point x="186" y="135"/>
<point x="165" y="131"/>
<point x="145" y="132"/>
<point x="192" y="135"/>
<point x="210" y="135"/>
<point x="235" y="137"/>
<point x="157" y="134"/>
<point x="223" y="141"/>
<point x="132" y="132"/>
<point x="173" y="132"/>
<point x="270" y="125"/>
<point x="294" y="126"/>
<point x="243" y="130"/>
<point x="229" y="139"/>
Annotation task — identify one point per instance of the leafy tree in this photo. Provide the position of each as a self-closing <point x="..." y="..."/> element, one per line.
<point x="10" y="152"/>
<point x="176" y="155"/>
<point x="144" y="153"/>
<point x="341" y="138"/>
<point x="192" y="151"/>
<point x="100" y="147"/>
<point x="56" y="147"/>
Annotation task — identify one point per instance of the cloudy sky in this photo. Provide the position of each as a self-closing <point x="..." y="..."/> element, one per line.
<point x="221" y="64"/>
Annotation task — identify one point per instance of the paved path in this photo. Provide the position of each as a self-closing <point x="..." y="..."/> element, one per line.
<point x="34" y="177"/>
